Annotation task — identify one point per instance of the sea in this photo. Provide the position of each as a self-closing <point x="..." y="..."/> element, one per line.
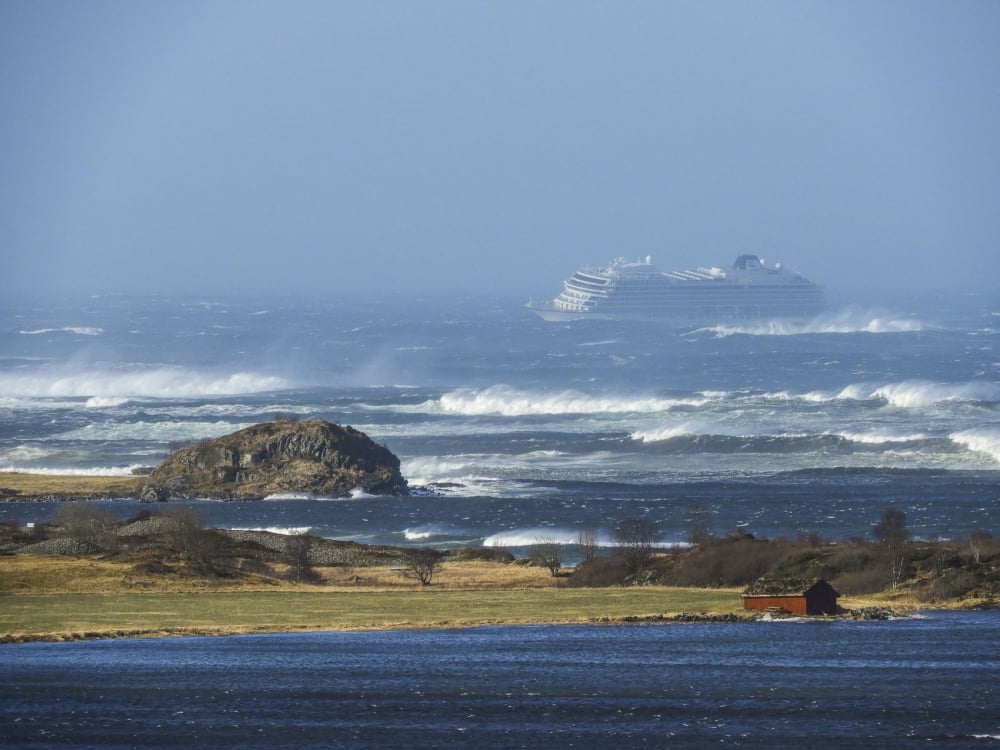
<point x="512" y="431"/>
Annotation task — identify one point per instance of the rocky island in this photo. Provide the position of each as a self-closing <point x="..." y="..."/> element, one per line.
<point x="310" y="456"/>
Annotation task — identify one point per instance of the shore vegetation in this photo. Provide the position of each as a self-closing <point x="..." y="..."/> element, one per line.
<point x="87" y="574"/>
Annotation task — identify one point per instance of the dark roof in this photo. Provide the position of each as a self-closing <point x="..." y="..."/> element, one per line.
<point x="785" y="586"/>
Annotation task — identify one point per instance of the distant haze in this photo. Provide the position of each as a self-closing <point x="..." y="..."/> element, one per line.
<point x="377" y="147"/>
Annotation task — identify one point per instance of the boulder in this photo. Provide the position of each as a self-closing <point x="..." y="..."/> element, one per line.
<point x="313" y="457"/>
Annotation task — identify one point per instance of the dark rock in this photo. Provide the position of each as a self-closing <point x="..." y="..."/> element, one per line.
<point x="313" y="456"/>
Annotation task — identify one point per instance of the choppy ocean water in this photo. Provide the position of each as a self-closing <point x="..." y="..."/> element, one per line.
<point x="526" y="429"/>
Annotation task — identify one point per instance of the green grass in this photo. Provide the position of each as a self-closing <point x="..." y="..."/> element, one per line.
<point x="72" y="615"/>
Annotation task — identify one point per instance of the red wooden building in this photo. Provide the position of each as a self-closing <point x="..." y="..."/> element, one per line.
<point x="811" y="596"/>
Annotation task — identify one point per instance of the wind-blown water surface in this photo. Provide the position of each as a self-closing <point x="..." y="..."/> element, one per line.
<point x="526" y="429"/>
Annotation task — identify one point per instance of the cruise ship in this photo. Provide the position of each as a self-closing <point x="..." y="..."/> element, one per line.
<point x="638" y="290"/>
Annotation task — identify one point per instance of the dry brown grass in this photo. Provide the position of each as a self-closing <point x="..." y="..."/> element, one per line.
<point x="16" y="485"/>
<point x="38" y="574"/>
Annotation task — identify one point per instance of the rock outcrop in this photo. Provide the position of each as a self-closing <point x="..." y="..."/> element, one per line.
<point x="285" y="456"/>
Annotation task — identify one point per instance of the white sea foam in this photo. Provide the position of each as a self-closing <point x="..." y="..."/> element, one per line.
<point x="981" y="441"/>
<point x="848" y="320"/>
<point x="78" y="330"/>
<point x="283" y="530"/>
<point x="527" y="537"/>
<point x="668" y="432"/>
<point x="26" y="453"/>
<point x="923" y="393"/>
<point x="105" y="402"/>
<point x="166" y="432"/>
<point x="876" y="437"/>
<point x="430" y="531"/>
<point x="512" y="402"/>
<point x="160" y="382"/>
<point x="905" y="394"/>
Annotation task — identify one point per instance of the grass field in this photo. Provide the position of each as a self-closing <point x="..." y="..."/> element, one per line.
<point x="34" y="486"/>
<point x="60" y="598"/>
<point x="63" y="616"/>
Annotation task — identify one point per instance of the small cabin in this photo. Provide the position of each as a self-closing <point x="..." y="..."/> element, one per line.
<point x="811" y="596"/>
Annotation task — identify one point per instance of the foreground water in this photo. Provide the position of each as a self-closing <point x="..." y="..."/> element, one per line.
<point x="929" y="681"/>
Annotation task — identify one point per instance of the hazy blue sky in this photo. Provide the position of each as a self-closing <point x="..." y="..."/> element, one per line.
<point x="245" y="146"/>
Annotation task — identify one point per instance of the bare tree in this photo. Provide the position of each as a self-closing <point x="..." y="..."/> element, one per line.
<point x="893" y="536"/>
<point x="586" y="541"/>
<point x="699" y="524"/>
<point x="635" y="538"/>
<point x="89" y="524"/>
<point x="188" y="536"/>
<point x="545" y="553"/>
<point x="297" y="556"/>
<point x="977" y="541"/>
<point x="423" y="562"/>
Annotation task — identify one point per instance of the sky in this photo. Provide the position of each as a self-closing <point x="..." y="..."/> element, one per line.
<point x="340" y="147"/>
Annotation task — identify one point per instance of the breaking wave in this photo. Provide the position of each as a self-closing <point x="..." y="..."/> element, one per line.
<point x="849" y="320"/>
<point x="670" y="432"/>
<point x="105" y="387"/>
<point x="921" y="393"/>
<point x="283" y="530"/>
<point x="78" y="330"/>
<point x="505" y="401"/>
<point x="512" y="402"/>
<point x="981" y="441"/>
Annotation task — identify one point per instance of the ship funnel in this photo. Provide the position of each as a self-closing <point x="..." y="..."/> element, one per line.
<point x="649" y="260"/>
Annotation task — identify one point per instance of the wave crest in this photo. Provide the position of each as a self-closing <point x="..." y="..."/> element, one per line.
<point x="512" y="402"/>
<point x="105" y="387"/>
<point x="981" y="441"/>
<point x="78" y="330"/>
<point x="921" y="393"/>
<point x="848" y="320"/>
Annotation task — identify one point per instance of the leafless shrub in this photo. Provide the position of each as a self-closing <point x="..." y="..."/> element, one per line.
<point x="187" y="536"/>
<point x="489" y="554"/>
<point x="894" y="538"/>
<point x="699" y="521"/>
<point x="635" y="538"/>
<point x="545" y="553"/>
<point x="954" y="584"/>
<point x="88" y="523"/>
<point x="297" y="556"/>
<point x="599" y="572"/>
<point x="423" y="562"/>
<point x="586" y="542"/>
<point x="867" y="581"/>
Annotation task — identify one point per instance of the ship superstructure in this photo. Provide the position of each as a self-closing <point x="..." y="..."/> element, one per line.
<point x="638" y="290"/>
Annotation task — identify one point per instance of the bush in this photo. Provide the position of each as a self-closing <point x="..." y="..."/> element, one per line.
<point x="423" y="563"/>
<point x="732" y="561"/>
<point x="600" y="572"/>
<point x="489" y="554"/>
<point x="954" y="584"/>
<point x="867" y="581"/>
<point x="88" y="524"/>
<point x="545" y="554"/>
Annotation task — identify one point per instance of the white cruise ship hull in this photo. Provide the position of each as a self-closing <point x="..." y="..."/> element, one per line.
<point x="638" y="291"/>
